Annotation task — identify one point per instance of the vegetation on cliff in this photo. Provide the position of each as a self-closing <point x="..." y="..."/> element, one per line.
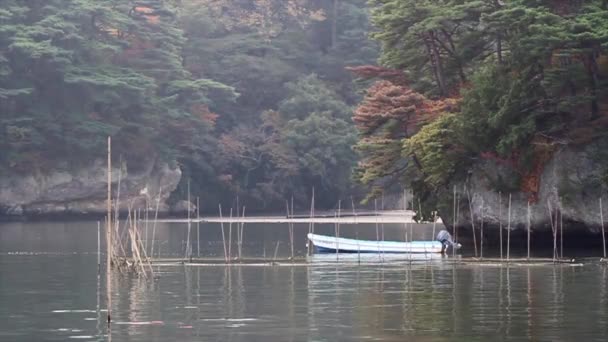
<point x="250" y="97"/>
<point x="509" y="81"/>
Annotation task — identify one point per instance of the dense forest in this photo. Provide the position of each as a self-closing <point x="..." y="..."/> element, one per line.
<point x="250" y="98"/>
<point x="267" y="99"/>
<point x="467" y="81"/>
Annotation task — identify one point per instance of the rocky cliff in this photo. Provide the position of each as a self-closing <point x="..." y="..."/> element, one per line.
<point x="572" y="181"/>
<point x="82" y="190"/>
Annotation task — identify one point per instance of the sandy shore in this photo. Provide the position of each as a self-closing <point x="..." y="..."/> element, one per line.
<point x="392" y="216"/>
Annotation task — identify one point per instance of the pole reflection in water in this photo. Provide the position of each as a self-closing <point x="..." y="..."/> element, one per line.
<point x="59" y="297"/>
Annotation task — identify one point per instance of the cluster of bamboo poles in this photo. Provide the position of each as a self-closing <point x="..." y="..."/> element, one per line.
<point x="556" y="221"/>
<point x="126" y="248"/>
<point x="240" y="228"/>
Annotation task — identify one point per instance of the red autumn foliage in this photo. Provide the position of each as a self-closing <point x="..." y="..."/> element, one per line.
<point x="203" y="113"/>
<point x="386" y="101"/>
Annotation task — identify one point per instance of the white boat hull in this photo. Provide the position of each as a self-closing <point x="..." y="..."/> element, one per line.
<point x="332" y="244"/>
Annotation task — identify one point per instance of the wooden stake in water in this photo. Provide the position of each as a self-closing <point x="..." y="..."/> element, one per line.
<point x="500" y="221"/>
<point x="337" y="227"/>
<point x="230" y="237"/>
<point x="509" y="231"/>
<point x="382" y="224"/>
<point x="472" y="221"/>
<point x="454" y="220"/>
<point x="188" y="252"/>
<point x="603" y="232"/>
<point x="561" y="229"/>
<point x="290" y="228"/>
<point x="404" y="213"/>
<point x="291" y="237"/>
<point x="98" y="247"/>
<point x="198" y="227"/>
<point x="223" y="235"/>
<point x="529" y="228"/>
<point x="553" y="227"/>
<point x="434" y="224"/>
<point x="311" y="226"/>
<point x="160" y="190"/>
<point x="109" y="235"/>
<point x="481" y="231"/>
<point x="377" y="230"/>
<point x="242" y="230"/>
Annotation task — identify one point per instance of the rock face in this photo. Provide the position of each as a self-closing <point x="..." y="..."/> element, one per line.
<point x="83" y="190"/>
<point x="572" y="181"/>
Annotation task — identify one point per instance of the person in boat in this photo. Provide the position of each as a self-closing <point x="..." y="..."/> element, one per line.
<point x="446" y="241"/>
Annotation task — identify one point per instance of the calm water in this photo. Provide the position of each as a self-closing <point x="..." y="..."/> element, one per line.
<point x="49" y="292"/>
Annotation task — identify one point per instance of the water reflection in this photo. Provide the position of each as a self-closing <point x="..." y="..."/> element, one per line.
<point x="56" y="295"/>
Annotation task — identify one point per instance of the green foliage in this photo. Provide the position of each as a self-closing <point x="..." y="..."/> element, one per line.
<point x="310" y="95"/>
<point x="251" y="99"/>
<point x="438" y="159"/>
<point x="75" y="71"/>
<point x="299" y="72"/>
<point x="530" y="75"/>
<point x="436" y="42"/>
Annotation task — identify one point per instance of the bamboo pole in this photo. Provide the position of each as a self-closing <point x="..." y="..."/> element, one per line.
<point x="117" y="206"/>
<point x="509" y="231"/>
<point x="109" y="235"/>
<point x="529" y="228"/>
<point x="561" y="230"/>
<point x="454" y="220"/>
<point x="603" y="230"/>
<point x="500" y="221"/>
<point x="472" y="221"/>
<point x="290" y="229"/>
<point x="147" y="218"/>
<point x="555" y="235"/>
<point x="377" y="228"/>
<point x="404" y="211"/>
<point x="98" y="247"/>
<point x="553" y="228"/>
<point x="160" y="189"/>
<point x="434" y="224"/>
<point x="276" y="250"/>
<point x="314" y="210"/>
<point x="308" y="242"/>
<point x="188" y="252"/>
<point x="230" y="237"/>
<point x="241" y="235"/>
<point x="382" y="224"/>
<point x="481" y="230"/>
<point x="198" y="227"/>
<point x="337" y="228"/>
<point x="352" y="201"/>
<point x="223" y="235"/>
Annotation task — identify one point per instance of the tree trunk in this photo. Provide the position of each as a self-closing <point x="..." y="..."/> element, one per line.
<point x="593" y="71"/>
<point x="499" y="49"/>
<point x="334" y="23"/>
<point x="452" y="52"/>
<point x="436" y="63"/>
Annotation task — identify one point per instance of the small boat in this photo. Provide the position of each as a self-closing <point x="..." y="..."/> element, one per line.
<point x="332" y="244"/>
